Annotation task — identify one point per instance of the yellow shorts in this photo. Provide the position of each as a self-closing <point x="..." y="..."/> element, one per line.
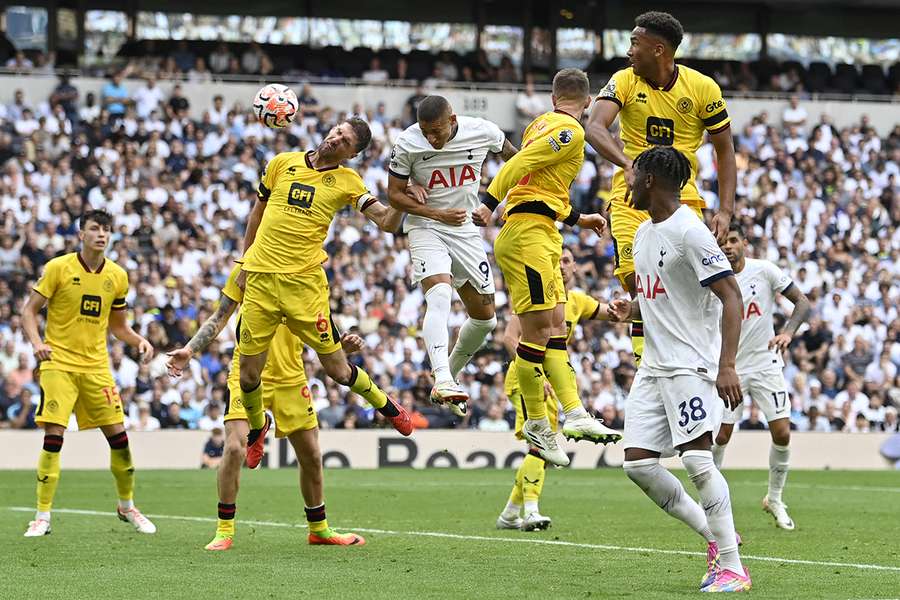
<point x="527" y="251"/>
<point x="623" y="224"/>
<point x="299" y="300"/>
<point x="93" y="397"/>
<point x="291" y="406"/>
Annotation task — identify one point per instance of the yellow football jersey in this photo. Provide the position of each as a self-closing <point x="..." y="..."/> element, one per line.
<point x="543" y="170"/>
<point x="674" y="115"/>
<point x="79" y="302"/>
<point x="579" y="307"/>
<point x="283" y="365"/>
<point x="301" y="203"/>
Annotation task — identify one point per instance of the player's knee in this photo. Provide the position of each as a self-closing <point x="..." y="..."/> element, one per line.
<point x="781" y="437"/>
<point x="698" y="464"/>
<point x="235" y="449"/>
<point x="249" y="379"/>
<point x="340" y="371"/>
<point x="641" y="471"/>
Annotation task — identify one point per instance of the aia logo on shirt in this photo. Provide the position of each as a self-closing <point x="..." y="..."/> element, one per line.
<point x="644" y="288"/>
<point x="752" y="310"/>
<point x="452" y="177"/>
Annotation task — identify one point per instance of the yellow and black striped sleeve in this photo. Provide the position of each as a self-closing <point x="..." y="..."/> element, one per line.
<point x="267" y="179"/>
<point x="119" y="302"/>
<point x="713" y="111"/>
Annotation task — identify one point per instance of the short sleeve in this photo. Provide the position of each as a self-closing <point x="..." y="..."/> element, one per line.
<point x="232" y="290"/>
<point x="267" y="180"/>
<point x="358" y="194"/>
<point x="713" y="111"/>
<point x="49" y="281"/>
<point x="495" y="137"/>
<point x="617" y="88"/>
<point x="121" y="292"/>
<point x="401" y="162"/>
<point x="778" y="279"/>
<point x="704" y="255"/>
<point x="589" y="307"/>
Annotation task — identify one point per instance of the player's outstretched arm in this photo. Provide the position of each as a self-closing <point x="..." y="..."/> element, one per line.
<point x="406" y="201"/>
<point x="508" y="150"/>
<point x="723" y="143"/>
<point x="387" y="218"/>
<point x="597" y="134"/>
<point x="210" y="330"/>
<point x="119" y="327"/>
<point x="621" y="310"/>
<point x="33" y="306"/>
<point x="801" y="312"/>
<point x="727" y="383"/>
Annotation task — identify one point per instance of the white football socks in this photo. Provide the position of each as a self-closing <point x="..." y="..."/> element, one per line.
<point x="511" y="511"/>
<point x="434" y="329"/>
<point x="779" y="456"/>
<point x="471" y="336"/>
<point x="666" y="490"/>
<point x="716" y="501"/>
<point x="718" y="454"/>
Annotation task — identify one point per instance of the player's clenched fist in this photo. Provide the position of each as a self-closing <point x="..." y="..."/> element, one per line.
<point x="593" y="221"/>
<point x="619" y="310"/>
<point x="42" y="351"/>
<point x="452" y="216"/>
<point x="482" y="215"/>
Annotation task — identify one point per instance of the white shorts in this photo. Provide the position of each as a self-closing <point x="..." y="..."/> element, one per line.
<point x="435" y="252"/>
<point x="768" y="390"/>
<point x="662" y="413"/>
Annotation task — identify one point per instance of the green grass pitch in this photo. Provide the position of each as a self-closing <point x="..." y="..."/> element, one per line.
<point x="430" y="534"/>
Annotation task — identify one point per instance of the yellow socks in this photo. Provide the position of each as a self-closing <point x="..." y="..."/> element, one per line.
<point x="121" y="466"/>
<point x="533" y="471"/>
<point x="637" y="341"/>
<point x="253" y="405"/>
<point x="315" y="517"/>
<point x="529" y="358"/>
<point x="362" y="384"/>
<point x="561" y="374"/>
<point x="48" y="471"/>
<point x="225" y="523"/>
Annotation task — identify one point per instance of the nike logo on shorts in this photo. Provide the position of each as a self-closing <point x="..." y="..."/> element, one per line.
<point x="692" y="429"/>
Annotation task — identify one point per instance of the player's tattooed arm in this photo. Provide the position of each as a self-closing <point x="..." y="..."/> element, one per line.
<point x="213" y="325"/>
<point x="801" y="312"/>
<point x="508" y="150"/>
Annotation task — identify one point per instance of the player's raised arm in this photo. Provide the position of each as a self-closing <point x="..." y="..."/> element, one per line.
<point x="727" y="383"/>
<point x="597" y="134"/>
<point x="210" y="330"/>
<point x="508" y="150"/>
<point x="801" y="312"/>
<point x="33" y="306"/>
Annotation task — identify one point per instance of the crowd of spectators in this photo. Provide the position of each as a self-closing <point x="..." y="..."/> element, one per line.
<point x="180" y="180"/>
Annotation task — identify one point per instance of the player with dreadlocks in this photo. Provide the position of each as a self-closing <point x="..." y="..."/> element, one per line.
<point x="674" y="402"/>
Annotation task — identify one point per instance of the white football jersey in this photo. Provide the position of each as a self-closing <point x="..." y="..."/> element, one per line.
<point x="760" y="281"/>
<point x="452" y="174"/>
<point x="674" y="263"/>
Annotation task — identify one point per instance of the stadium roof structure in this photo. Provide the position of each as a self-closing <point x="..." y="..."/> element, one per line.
<point x="846" y="18"/>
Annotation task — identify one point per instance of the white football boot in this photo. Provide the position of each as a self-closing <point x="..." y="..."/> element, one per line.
<point x="536" y="522"/>
<point x="779" y="511"/>
<point x="452" y="395"/>
<point x="586" y="427"/>
<point x="504" y="523"/>
<point x="141" y="523"/>
<point x="539" y="435"/>
<point x="37" y="528"/>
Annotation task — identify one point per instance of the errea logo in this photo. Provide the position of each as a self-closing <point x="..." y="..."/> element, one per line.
<point x="711" y="260"/>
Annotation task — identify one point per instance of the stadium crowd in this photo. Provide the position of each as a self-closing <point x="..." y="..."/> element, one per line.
<point x="181" y="179"/>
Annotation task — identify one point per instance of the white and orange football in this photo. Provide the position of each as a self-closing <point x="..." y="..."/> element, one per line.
<point x="275" y="105"/>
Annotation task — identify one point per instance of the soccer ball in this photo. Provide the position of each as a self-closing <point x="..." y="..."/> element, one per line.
<point x="275" y="105"/>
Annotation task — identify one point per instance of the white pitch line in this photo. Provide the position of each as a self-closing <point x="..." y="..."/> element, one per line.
<point x="484" y="538"/>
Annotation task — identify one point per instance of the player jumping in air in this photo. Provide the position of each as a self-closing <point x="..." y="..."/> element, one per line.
<point x="535" y="184"/>
<point x="299" y="195"/>
<point x="444" y="153"/>
<point x="85" y="297"/>
<point x="759" y="362"/>
<point x="659" y="103"/>
<point x="284" y="393"/>
<point x="531" y="474"/>
<point x="688" y="366"/>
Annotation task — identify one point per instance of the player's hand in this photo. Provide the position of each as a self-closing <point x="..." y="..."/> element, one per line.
<point x="593" y="221"/>
<point x="178" y="360"/>
<point x="241" y="279"/>
<point x="548" y="390"/>
<point x="417" y="192"/>
<point x="145" y="351"/>
<point x="729" y="387"/>
<point x="780" y="342"/>
<point x="42" y="351"/>
<point x="719" y="226"/>
<point x="482" y="215"/>
<point x="452" y="216"/>
<point x="619" y="310"/>
<point x="351" y="343"/>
